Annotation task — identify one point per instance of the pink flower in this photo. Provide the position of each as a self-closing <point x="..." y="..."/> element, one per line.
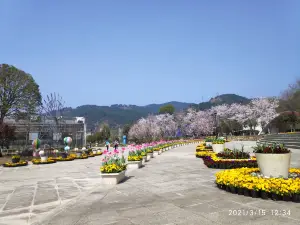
<point x="123" y="149"/>
<point x="116" y="151"/>
<point x="105" y="152"/>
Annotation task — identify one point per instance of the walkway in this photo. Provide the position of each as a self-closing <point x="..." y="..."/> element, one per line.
<point x="174" y="188"/>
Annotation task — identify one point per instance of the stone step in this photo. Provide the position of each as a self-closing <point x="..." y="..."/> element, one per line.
<point x="283" y="141"/>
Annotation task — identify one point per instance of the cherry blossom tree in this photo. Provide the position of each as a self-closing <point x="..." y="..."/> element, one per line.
<point x="264" y="110"/>
<point x="202" y="123"/>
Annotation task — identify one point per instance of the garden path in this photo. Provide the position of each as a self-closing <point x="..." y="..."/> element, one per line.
<point x="174" y="188"/>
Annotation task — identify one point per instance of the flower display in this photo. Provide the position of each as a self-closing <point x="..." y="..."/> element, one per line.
<point x="38" y="161"/>
<point x="149" y="150"/>
<point x="15" y="158"/>
<point x="209" y="139"/>
<point x="233" y="154"/>
<point x="83" y="156"/>
<point x="98" y="153"/>
<point x="91" y="154"/>
<point x="203" y="147"/>
<point x="20" y="163"/>
<point x="135" y="155"/>
<point x="113" y="162"/>
<point x="246" y="181"/>
<point x="275" y="148"/>
<point x="218" y="141"/>
<point x="61" y="159"/>
<point x="227" y="159"/>
<point x="201" y="154"/>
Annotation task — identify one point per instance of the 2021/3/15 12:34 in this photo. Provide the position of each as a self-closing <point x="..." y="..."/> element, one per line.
<point x="259" y="212"/>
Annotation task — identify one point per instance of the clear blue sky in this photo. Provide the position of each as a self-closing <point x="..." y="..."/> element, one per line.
<point x="152" y="51"/>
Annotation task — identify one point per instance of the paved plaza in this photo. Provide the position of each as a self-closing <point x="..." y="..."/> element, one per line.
<point x="174" y="188"/>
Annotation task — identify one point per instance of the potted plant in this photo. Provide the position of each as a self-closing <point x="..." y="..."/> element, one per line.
<point x="134" y="160"/>
<point x="273" y="160"/>
<point x="113" y="168"/>
<point x="208" y="141"/>
<point x="15" y="159"/>
<point x="218" y="145"/>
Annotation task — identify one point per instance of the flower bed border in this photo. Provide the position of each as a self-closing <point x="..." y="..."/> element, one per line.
<point x="97" y="154"/>
<point x="228" y="164"/>
<point x="82" y="157"/>
<point x="51" y="161"/>
<point x="292" y="197"/>
<point x="16" y="164"/>
<point x="64" y="159"/>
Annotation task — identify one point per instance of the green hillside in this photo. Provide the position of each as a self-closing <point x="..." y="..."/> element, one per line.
<point x="119" y="114"/>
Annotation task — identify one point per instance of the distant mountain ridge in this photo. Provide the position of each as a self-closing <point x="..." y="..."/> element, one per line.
<point x="120" y="114"/>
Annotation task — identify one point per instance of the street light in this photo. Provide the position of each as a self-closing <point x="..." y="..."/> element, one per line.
<point x="216" y="123"/>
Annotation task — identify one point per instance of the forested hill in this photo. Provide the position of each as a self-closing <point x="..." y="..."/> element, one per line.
<point x="119" y="114"/>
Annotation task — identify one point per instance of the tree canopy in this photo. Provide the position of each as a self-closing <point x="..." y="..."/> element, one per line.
<point x="19" y="92"/>
<point x="170" y="109"/>
<point x="290" y="98"/>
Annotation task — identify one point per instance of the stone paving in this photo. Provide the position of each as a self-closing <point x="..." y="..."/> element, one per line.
<point x="174" y="188"/>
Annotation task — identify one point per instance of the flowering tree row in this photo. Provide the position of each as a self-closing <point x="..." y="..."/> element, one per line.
<point x="194" y="123"/>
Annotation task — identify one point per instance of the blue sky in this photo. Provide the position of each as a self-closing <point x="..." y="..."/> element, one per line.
<point x="141" y="51"/>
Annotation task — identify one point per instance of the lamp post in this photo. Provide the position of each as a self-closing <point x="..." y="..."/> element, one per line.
<point x="216" y="123"/>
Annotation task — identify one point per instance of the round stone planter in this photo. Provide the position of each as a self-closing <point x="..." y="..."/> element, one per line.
<point x="113" y="178"/>
<point x="155" y="153"/>
<point x="218" y="147"/>
<point x="274" y="165"/>
<point x="208" y="143"/>
<point x="44" y="158"/>
<point x="134" y="164"/>
<point x="159" y="152"/>
<point x="78" y="154"/>
<point x="99" y="151"/>
<point x="94" y="151"/>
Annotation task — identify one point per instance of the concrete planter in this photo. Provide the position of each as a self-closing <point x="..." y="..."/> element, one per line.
<point x="149" y="156"/>
<point x="112" y="178"/>
<point x="144" y="159"/>
<point x="94" y="151"/>
<point x="217" y="148"/>
<point x="44" y="158"/>
<point x="98" y="151"/>
<point x="159" y="152"/>
<point x="274" y="165"/>
<point x="134" y="164"/>
<point x="78" y="154"/>
<point x="208" y="143"/>
<point x="155" y="153"/>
